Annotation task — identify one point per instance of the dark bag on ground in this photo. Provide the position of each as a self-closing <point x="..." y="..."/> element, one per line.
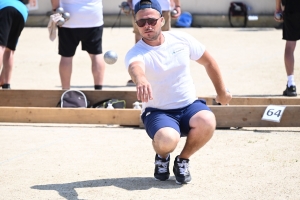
<point x="184" y="20"/>
<point x="116" y="103"/>
<point x="238" y="9"/>
<point x="73" y="99"/>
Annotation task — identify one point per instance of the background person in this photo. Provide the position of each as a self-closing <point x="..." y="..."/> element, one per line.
<point x="13" y="15"/>
<point x="167" y="6"/>
<point x="290" y="33"/>
<point x="86" y="26"/>
<point x="159" y="66"/>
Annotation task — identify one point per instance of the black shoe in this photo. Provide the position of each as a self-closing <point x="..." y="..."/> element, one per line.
<point x="181" y="170"/>
<point x="130" y="83"/>
<point x="161" y="171"/>
<point x="5" y="86"/>
<point x="290" y="91"/>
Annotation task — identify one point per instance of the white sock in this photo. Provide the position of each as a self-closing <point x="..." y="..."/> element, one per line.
<point x="164" y="158"/>
<point x="291" y="80"/>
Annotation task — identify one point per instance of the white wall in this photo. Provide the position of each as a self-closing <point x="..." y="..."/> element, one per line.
<point x="213" y="7"/>
<point x="222" y="6"/>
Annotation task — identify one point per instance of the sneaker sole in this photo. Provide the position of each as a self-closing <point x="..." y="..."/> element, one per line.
<point x="130" y="84"/>
<point x="290" y="95"/>
<point x="161" y="180"/>
<point x="181" y="183"/>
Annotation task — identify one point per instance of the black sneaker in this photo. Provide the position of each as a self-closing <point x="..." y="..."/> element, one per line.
<point x="181" y="170"/>
<point x="290" y="91"/>
<point x="161" y="171"/>
<point x="5" y="86"/>
<point x="130" y="83"/>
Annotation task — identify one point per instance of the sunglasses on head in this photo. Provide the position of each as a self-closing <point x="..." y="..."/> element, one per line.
<point x="150" y="21"/>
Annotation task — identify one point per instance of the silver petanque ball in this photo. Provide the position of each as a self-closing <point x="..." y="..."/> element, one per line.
<point x="60" y="22"/>
<point x="278" y="16"/>
<point x="173" y="12"/>
<point x="60" y="10"/>
<point x="110" y="57"/>
<point x="126" y="9"/>
<point x="66" y="16"/>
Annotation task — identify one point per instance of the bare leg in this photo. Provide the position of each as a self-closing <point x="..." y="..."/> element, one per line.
<point x="165" y="141"/>
<point x="202" y="125"/>
<point x="2" y="49"/>
<point x="65" y="71"/>
<point x="289" y="57"/>
<point x="98" y="68"/>
<point x="8" y="60"/>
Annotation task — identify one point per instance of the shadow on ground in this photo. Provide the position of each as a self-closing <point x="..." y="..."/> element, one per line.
<point x="67" y="190"/>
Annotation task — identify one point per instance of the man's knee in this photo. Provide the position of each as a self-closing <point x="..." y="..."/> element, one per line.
<point x="204" y="119"/>
<point x="166" y="138"/>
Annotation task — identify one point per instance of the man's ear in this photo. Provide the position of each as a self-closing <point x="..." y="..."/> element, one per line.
<point x="163" y="21"/>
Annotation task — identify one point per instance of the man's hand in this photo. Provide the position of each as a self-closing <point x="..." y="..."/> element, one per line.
<point x="177" y="14"/>
<point x="32" y="3"/>
<point x="278" y="16"/>
<point x="143" y="89"/>
<point x="224" y="98"/>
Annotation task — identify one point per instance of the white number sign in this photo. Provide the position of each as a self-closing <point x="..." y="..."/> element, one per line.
<point x="273" y="113"/>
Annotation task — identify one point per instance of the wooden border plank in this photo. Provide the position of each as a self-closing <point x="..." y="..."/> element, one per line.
<point x="250" y="116"/>
<point x="50" y="98"/>
<point x="227" y="116"/>
<point x="257" y="100"/>
<point x="129" y="117"/>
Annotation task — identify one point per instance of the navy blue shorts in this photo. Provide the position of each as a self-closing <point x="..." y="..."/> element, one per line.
<point x="178" y="119"/>
<point x="69" y="38"/>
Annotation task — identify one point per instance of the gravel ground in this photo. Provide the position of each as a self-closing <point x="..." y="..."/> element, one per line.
<point x="62" y="161"/>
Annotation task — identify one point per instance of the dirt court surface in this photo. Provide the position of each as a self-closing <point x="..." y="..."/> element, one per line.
<point x="63" y="161"/>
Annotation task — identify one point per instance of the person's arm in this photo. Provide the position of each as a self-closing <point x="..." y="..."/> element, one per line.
<point x="278" y="9"/>
<point x="55" y="4"/>
<point x="278" y="6"/>
<point x="130" y="4"/>
<point x="214" y="73"/>
<point x="143" y="88"/>
<point x="32" y="2"/>
<point x="177" y="7"/>
<point x="176" y="3"/>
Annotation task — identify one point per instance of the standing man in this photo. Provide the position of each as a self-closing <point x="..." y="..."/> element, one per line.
<point x="159" y="66"/>
<point x="167" y="6"/>
<point x="13" y="15"/>
<point x="290" y="33"/>
<point x="86" y="26"/>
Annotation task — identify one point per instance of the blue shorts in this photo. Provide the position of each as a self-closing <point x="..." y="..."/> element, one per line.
<point x="178" y="119"/>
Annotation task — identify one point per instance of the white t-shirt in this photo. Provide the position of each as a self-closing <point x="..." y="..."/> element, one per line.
<point x="83" y="13"/>
<point x="164" y="4"/>
<point x="167" y="69"/>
